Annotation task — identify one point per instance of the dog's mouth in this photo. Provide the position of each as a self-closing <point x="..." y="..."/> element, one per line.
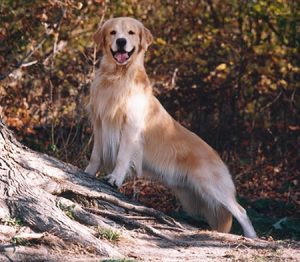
<point x="121" y="56"/>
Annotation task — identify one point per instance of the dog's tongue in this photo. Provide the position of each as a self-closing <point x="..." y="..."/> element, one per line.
<point x="121" y="57"/>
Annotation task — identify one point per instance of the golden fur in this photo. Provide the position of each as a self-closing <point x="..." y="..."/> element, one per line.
<point x="132" y="131"/>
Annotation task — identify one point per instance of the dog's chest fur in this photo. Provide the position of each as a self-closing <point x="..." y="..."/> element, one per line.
<point x="117" y="103"/>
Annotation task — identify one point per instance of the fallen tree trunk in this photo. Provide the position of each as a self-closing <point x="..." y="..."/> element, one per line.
<point x="61" y="204"/>
<point x="42" y="191"/>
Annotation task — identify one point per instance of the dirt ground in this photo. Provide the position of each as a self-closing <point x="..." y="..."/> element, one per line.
<point x="137" y="246"/>
<point x="211" y="246"/>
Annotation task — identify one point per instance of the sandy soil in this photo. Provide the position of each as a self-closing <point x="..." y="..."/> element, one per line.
<point x="138" y="246"/>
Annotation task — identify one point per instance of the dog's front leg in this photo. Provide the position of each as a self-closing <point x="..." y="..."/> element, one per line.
<point x="129" y="145"/>
<point x="96" y="156"/>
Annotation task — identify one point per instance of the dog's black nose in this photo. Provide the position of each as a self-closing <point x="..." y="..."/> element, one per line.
<point x="121" y="42"/>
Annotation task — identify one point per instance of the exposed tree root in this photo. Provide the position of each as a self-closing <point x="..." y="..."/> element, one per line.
<point x="161" y="217"/>
<point x="4" y="211"/>
<point x="34" y="188"/>
<point x="63" y="207"/>
<point x="130" y="223"/>
<point x="74" y="210"/>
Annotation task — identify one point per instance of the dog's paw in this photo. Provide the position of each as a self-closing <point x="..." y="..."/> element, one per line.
<point x="91" y="170"/>
<point x="115" y="180"/>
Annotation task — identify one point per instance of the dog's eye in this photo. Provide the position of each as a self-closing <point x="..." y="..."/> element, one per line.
<point x="131" y="32"/>
<point x="113" y="32"/>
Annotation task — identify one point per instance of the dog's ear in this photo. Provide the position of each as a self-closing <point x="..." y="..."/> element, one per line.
<point x="146" y="38"/>
<point x="99" y="38"/>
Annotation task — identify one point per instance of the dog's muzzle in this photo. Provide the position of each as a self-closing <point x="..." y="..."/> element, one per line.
<point x="121" y="56"/>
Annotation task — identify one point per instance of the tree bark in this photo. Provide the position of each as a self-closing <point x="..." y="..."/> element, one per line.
<point x="62" y="206"/>
<point x="49" y="195"/>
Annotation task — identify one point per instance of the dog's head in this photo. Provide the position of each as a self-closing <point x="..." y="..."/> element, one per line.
<point x="122" y="39"/>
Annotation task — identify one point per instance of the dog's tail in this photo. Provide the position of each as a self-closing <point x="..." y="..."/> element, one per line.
<point x="219" y="218"/>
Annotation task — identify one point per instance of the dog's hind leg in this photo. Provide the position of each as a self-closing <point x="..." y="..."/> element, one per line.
<point x="241" y="215"/>
<point x="221" y="193"/>
<point x="218" y="217"/>
<point x="195" y="205"/>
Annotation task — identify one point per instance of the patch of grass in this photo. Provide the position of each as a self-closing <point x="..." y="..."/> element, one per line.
<point x="13" y="222"/>
<point x="18" y="241"/>
<point x="108" y="234"/>
<point x="69" y="210"/>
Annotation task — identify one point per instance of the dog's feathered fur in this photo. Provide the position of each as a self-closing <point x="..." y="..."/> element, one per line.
<point x="133" y="131"/>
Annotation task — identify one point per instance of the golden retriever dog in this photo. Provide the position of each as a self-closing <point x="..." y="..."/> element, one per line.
<point x="133" y="132"/>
